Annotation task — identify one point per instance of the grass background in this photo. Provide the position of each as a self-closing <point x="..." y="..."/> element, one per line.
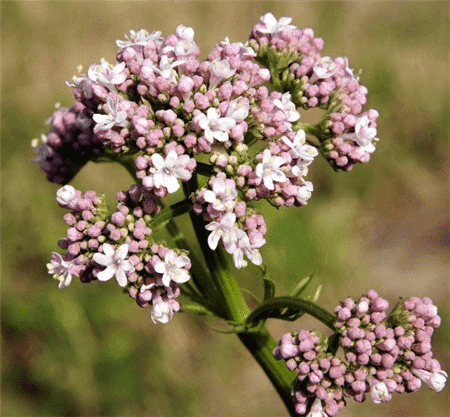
<point x="89" y="350"/>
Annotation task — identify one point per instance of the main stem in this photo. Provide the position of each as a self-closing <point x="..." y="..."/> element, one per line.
<point x="260" y="344"/>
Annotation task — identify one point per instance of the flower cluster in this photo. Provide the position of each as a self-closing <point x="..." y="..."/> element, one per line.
<point x="70" y="143"/>
<point x="101" y="246"/>
<point x="168" y="112"/>
<point x="346" y="133"/>
<point x="381" y="355"/>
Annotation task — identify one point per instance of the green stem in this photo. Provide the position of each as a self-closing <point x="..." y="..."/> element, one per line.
<point x="267" y="307"/>
<point x="261" y="346"/>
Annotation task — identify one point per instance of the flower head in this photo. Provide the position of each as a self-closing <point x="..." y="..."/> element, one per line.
<point x="167" y="171"/>
<point x="272" y="25"/>
<point x="59" y="268"/>
<point x="115" y="263"/>
<point x="66" y="195"/>
<point x="269" y="169"/>
<point x="161" y="312"/>
<point x="107" y="74"/>
<point x="172" y="268"/>
<point x="222" y="195"/>
<point x="215" y="127"/>
<point x="141" y="37"/>
<point x="115" y="117"/>
<point x="379" y="392"/>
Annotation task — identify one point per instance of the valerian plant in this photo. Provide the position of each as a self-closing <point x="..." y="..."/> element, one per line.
<point x="228" y="132"/>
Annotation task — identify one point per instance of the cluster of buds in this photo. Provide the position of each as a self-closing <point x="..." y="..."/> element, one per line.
<point x="161" y="105"/>
<point x="381" y="355"/>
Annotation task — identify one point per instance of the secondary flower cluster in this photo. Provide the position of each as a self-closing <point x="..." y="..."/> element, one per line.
<point x="346" y="134"/>
<point x="382" y="355"/>
<point x="166" y="109"/>
<point x="101" y="246"/>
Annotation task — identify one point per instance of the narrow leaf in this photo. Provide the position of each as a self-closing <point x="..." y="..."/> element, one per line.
<point x="301" y="286"/>
<point x="269" y="288"/>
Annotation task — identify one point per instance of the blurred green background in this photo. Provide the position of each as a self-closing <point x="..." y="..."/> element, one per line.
<point x="88" y="350"/>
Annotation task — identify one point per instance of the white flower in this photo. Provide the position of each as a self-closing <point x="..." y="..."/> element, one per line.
<point x="221" y="196"/>
<point x="238" y="110"/>
<point x="166" y="68"/>
<point x="300" y="149"/>
<point x="269" y="169"/>
<point x="215" y="127"/>
<point x="107" y="74"/>
<point x="435" y="380"/>
<point x="141" y="37"/>
<point x="161" y="312"/>
<point x="379" y="392"/>
<point x="251" y="251"/>
<point x="304" y="192"/>
<point x="59" y="268"/>
<point x="184" y="33"/>
<point x="227" y="230"/>
<point x="115" y="117"/>
<point x="287" y="107"/>
<point x="317" y="410"/>
<point x="323" y="68"/>
<point x="364" y="135"/>
<point x="220" y="70"/>
<point x="172" y="268"/>
<point x="166" y="172"/>
<point x="66" y="194"/>
<point x="273" y="25"/>
<point x="115" y="263"/>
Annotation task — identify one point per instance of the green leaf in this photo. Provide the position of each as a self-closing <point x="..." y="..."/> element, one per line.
<point x="269" y="288"/>
<point x="301" y="286"/>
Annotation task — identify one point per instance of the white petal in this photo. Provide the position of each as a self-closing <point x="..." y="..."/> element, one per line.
<point x="122" y="251"/>
<point x="213" y="240"/>
<point x="158" y="161"/>
<point x="101" y="259"/>
<point x="107" y="274"/>
<point x="121" y="278"/>
<point x="108" y="250"/>
<point x="160" y="267"/>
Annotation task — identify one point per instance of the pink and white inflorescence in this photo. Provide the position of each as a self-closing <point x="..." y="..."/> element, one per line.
<point x="169" y="111"/>
<point x="382" y="354"/>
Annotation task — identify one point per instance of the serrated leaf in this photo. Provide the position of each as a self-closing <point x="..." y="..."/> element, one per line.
<point x="269" y="288"/>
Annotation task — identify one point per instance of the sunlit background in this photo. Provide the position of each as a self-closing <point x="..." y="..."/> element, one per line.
<point x="88" y="350"/>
